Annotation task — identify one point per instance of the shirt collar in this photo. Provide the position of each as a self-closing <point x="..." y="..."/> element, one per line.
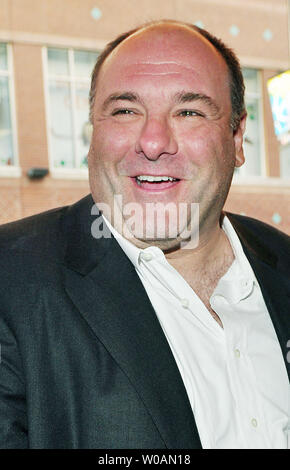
<point x="237" y="248"/>
<point x="132" y="251"/>
<point x="237" y="282"/>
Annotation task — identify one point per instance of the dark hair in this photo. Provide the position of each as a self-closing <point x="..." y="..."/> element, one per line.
<point x="236" y="77"/>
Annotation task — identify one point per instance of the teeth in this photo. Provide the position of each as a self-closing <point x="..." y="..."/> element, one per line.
<point x="154" y="178"/>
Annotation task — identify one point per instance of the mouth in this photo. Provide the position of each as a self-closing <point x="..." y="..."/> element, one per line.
<point x="155" y="183"/>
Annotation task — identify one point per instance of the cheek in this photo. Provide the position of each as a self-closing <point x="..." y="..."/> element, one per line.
<point x="206" y="146"/>
<point x="198" y="146"/>
<point x="111" y="142"/>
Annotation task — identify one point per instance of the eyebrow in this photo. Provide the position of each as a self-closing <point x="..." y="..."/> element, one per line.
<point x="179" y="98"/>
<point x="188" y="97"/>
<point x="127" y="96"/>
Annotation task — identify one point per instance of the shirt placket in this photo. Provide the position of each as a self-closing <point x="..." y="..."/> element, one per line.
<point x="242" y="379"/>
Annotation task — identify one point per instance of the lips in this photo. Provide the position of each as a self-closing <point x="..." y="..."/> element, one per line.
<point x="154" y="178"/>
<point x="155" y="182"/>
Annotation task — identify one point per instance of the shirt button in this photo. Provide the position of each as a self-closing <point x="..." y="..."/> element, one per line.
<point x="237" y="353"/>
<point x="254" y="422"/>
<point x="146" y="256"/>
<point x="184" y="303"/>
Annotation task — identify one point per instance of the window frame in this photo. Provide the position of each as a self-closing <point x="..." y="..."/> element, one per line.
<point x="242" y="177"/>
<point x="72" y="80"/>
<point x="11" y="171"/>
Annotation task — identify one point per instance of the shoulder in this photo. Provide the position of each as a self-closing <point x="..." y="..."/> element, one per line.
<point x="257" y="226"/>
<point x="31" y="255"/>
<point x="43" y="237"/>
<point x="32" y="252"/>
<point x="40" y="233"/>
<point x="253" y="232"/>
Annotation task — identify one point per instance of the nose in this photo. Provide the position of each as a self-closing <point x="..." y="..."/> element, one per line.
<point x="156" y="138"/>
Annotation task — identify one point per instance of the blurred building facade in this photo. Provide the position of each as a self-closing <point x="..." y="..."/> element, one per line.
<point x="47" y="51"/>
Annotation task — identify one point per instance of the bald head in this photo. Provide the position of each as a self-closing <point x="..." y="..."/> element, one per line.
<point x="167" y="36"/>
<point x="168" y="43"/>
<point x="165" y="33"/>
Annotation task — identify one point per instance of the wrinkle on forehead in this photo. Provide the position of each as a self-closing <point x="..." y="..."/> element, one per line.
<point x="156" y="73"/>
<point x="159" y="68"/>
<point x="156" y="66"/>
<point x="164" y="62"/>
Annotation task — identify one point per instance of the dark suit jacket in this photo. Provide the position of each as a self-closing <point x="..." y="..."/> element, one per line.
<point x="84" y="361"/>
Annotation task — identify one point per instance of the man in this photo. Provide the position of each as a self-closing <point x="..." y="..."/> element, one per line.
<point x="121" y="335"/>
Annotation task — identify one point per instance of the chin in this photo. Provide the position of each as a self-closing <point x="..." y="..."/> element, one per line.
<point x="166" y="245"/>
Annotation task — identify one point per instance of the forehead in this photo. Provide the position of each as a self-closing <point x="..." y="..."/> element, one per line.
<point x="169" y="53"/>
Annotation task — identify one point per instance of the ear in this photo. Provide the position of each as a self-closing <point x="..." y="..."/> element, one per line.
<point x="238" y="139"/>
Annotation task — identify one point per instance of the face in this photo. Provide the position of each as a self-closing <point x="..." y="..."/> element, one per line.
<point x="162" y="139"/>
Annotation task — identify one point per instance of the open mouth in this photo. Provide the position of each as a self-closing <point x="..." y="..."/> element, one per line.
<point x="155" y="183"/>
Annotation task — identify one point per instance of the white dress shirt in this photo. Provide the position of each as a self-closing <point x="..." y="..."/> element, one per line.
<point x="235" y="376"/>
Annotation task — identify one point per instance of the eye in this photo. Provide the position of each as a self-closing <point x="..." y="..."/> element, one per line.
<point x="122" y="111"/>
<point x="189" y="113"/>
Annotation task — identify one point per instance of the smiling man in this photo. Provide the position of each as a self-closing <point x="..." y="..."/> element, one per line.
<point x="162" y="108"/>
<point x="120" y="335"/>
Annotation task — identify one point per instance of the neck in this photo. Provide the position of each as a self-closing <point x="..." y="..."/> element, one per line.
<point x="213" y="250"/>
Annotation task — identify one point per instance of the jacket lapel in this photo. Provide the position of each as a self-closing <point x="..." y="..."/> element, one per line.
<point x="270" y="269"/>
<point x="105" y="288"/>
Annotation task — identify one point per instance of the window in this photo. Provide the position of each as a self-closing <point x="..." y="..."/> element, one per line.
<point x="285" y="160"/>
<point x="279" y="93"/>
<point x="68" y="83"/>
<point x="253" y="138"/>
<point x="7" y="127"/>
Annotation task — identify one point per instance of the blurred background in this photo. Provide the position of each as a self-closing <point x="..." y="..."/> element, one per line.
<point x="47" y="52"/>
